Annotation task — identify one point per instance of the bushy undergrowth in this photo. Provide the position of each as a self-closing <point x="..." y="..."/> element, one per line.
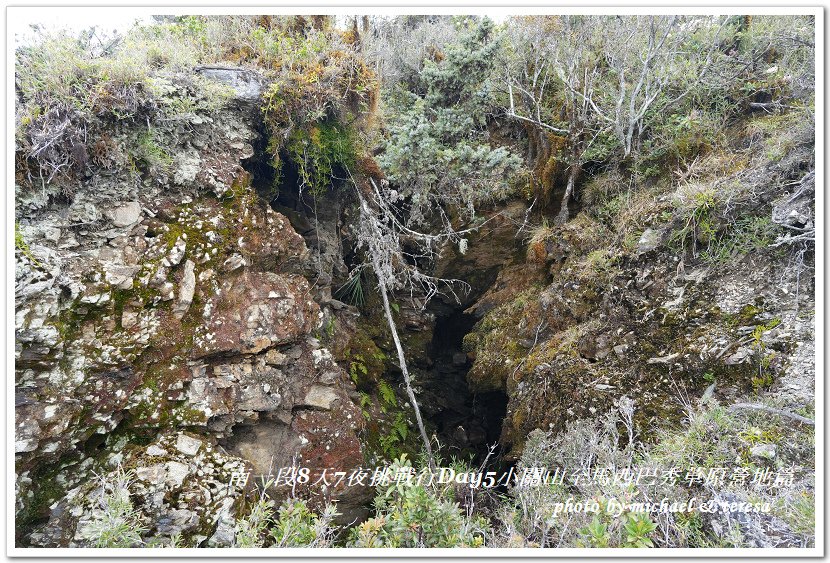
<point x="292" y="524"/>
<point x="713" y="439"/>
<point x="418" y="516"/>
<point x="115" y="521"/>
<point x="405" y="515"/>
<point x="73" y="94"/>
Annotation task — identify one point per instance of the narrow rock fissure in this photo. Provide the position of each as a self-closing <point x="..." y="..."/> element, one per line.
<point x="467" y="423"/>
<point x="263" y="175"/>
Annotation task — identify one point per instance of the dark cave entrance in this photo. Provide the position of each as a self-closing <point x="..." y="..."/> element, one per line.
<point x="281" y="191"/>
<point x="258" y="165"/>
<point x="297" y="206"/>
<point x="466" y="423"/>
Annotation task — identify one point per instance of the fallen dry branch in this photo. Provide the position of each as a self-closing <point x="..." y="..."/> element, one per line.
<point x="773" y="410"/>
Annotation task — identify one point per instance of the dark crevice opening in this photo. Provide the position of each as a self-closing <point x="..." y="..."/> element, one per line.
<point x="258" y="165"/>
<point x="467" y="423"/>
<point x="281" y="191"/>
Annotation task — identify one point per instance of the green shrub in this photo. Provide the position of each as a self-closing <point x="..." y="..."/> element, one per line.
<point x="741" y="237"/>
<point x="699" y="227"/>
<point x="297" y="526"/>
<point x="251" y="530"/>
<point x="638" y="528"/>
<point x="634" y="530"/>
<point x="115" y="521"/>
<point x="293" y="525"/>
<point x="713" y="437"/>
<point x="417" y="516"/>
<point x="437" y="151"/>
<point x="320" y="151"/>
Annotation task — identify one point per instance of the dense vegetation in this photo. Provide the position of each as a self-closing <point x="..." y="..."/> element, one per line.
<point x="638" y="95"/>
<point x="612" y="123"/>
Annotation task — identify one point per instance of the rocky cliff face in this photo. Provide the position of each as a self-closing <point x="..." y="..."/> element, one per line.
<point x="678" y="291"/>
<point x="167" y="325"/>
<point x="179" y="325"/>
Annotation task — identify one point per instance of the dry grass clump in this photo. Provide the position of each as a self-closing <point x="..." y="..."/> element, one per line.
<point x="714" y="437"/>
<point x="601" y="188"/>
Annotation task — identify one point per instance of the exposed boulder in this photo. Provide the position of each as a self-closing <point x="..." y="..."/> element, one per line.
<point x="187" y="288"/>
<point x="649" y="240"/>
<point x="124" y="215"/>
<point x="246" y="84"/>
<point x="253" y="312"/>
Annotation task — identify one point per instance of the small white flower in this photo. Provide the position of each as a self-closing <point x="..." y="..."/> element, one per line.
<point x="462" y="246"/>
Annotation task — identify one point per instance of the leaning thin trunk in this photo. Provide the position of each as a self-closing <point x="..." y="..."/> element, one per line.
<point x="402" y="363"/>
<point x="562" y="216"/>
<point x="577" y="119"/>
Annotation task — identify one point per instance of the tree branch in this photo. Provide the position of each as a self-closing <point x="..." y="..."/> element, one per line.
<point x="773" y="410"/>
